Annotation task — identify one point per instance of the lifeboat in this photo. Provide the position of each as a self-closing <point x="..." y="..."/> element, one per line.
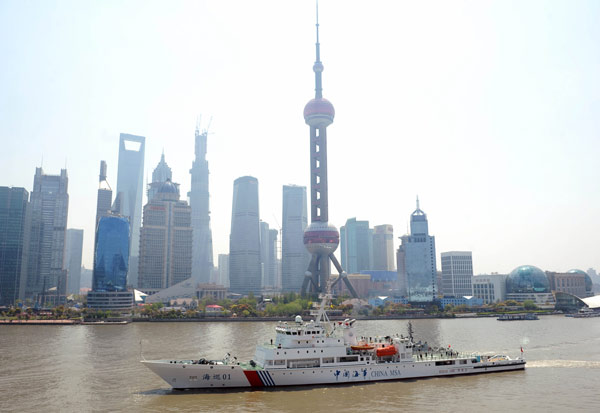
<point x="386" y="351"/>
<point x="362" y="347"/>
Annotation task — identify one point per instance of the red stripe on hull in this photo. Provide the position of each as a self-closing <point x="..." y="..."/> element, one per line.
<point x="253" y="378"/>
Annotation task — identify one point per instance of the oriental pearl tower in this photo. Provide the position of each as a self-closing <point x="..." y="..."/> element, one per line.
<point x="320" y="238"/>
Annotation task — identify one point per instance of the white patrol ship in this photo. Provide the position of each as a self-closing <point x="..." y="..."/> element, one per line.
<point x="322" y="352"/>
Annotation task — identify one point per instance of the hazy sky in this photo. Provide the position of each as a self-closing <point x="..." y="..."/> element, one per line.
<point x="489" y="111"/>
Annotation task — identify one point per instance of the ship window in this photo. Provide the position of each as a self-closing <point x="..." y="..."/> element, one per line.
<point x="327" y="360"/>
<point x="348" y="359"/>
<point x="463" y="361"/>
<point x="279" y="362"/>
<point x="444" y="363"/>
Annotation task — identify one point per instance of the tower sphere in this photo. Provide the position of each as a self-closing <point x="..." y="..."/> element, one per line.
<point x="321" y="238"/>
<point x="319" y="112"/>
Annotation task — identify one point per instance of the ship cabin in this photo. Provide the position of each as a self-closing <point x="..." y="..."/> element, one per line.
<point x="311" y="344"/>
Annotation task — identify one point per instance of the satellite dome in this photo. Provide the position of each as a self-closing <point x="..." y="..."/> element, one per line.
<point x="527" y="279"/>
<point x="168" y="187"/>
<point x="588" y="279"/>
<point x="319" y="112"/>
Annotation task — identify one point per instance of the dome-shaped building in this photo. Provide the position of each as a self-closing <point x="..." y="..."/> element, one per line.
<point x="528" y="282"/>
<point x="588" y="279"/>
<point x="527" y="279"/>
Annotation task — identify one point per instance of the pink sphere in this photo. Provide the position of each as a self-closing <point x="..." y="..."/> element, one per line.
<point x="319" y="112"/>
<point x="321" y="238"/>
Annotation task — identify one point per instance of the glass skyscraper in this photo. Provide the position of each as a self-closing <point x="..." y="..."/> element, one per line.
<point x="130" y="184"/>
<point x="13" y="209"/>
<point x="244" y="241"/>
<point x="112" y="255"/>
<point x="294" y="256"/>
<point x="356" y="240"/>
<point x="74" y="247"/>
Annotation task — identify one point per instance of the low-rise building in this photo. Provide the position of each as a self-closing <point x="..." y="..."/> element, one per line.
<point x="491" y="288"/>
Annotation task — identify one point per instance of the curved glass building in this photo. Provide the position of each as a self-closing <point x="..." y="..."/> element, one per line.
<point x="112" y="255"/>
<point x="588" y="279"/>
<point x="527" y="279"/>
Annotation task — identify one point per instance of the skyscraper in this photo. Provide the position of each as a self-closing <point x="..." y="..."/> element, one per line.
<point x="294" y="256"/>
<point x="74" y="247"/>
<point x="244" y="240"/>
<point x="273" y="275"/>
<point x="46" y="273"/>
<point x="104" y="200"/>
<point x="268" y="254"/>
<point x="356" y="246"/>
<point x="14" y="203"/>
<point x="223" y="270"/>
<point x="416" y="259"/>
<point x="202" y="263"/>
<point x="383" y="248"/>
<point x="166" y="240"/>
<point x="161" y="173"/>
<point x="457" y="273"/>
<point x="320" y="238"/>
<point x="111" y="257"/>
<point x="130" y="187"/>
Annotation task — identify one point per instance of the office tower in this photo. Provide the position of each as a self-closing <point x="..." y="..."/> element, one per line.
<point x="130" y="187"/>
<point x="166" y="240"/>
<point x="383" y="248"/>
<point x="87" y="275"/>
<point x="47" y="228"/>
<point x="202" y="263"/>
<point x="74" y="247"/>
<point x="268" y="254"/>
<point x="14" y="203"/>
<point x="109" y="280"/>
<point x="161" y="173"/>
<point x="356" y="246"/>
<point x="457" y="273"/>
<point x="294" y="256"/>
<point x="272" y="274"/>
<point x="104" y="200"/>
<point x="244" y="240"/>
<point x="223" y="270"/>
<point x="416" y="259"/>
<point x="320" y="238"/>
<point x="112" y="255"/>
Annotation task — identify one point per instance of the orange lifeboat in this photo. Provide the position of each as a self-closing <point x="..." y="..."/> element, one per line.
<point x="386" y="351"/>
<point x="362" y="347"/>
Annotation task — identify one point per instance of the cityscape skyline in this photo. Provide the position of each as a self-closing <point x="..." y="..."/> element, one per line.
<point x="516" y="162"/>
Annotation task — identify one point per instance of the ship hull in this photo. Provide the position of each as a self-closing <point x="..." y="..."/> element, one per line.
<point x="202" y="376"/>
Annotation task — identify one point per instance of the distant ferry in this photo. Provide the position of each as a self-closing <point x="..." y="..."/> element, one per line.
<point x="514" y="317"/>
<point x="322" y="352"/>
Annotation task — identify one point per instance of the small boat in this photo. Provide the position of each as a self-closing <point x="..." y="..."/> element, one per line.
<point x="515" y="317"/>
<point x="386" y="351"/>
<point x="363" y="347"/>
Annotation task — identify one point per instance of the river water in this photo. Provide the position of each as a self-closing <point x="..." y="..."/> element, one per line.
<point x="96" y="368"/>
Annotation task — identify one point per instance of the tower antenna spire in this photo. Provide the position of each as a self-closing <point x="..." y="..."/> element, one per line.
<point x="318" y="66"/>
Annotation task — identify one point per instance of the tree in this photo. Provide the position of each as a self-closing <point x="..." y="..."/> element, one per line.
<point x="529" y="305"/>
